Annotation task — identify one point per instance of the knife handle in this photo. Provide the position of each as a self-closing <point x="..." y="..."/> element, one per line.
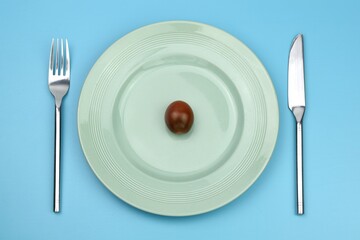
<point x="299" y="169"/>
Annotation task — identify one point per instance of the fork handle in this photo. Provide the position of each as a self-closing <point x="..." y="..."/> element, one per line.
<point x="57" y="159"/>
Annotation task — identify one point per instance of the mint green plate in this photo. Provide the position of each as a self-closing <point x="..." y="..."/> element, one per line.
<point x="124" y="136"/>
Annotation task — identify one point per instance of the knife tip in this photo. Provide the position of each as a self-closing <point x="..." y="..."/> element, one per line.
<point x="297" y="38"/>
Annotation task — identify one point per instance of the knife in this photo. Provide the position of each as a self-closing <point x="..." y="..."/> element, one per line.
<point x="296" y="101"/>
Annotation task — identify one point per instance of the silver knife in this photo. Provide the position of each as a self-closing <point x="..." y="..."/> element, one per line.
<point x="296" y="101"/>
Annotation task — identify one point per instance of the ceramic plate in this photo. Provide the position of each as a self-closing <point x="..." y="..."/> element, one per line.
<point x="126" y="141"/>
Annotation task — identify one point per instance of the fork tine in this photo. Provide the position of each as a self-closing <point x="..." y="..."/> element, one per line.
<point x="67" y="66"/>
<point x="57" y="58"/>
<point x="62" y="57"/>
<point x="51" y="60"/>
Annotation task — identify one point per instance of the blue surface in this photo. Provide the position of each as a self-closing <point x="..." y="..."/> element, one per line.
<point x="267" y="209"/>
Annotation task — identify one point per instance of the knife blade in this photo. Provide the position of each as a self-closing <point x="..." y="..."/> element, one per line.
<point x="296" y="102"/>
<point x="296" y="82"/>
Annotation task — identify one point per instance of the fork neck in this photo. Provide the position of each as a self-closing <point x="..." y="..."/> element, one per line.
<point x="58" y="103"/>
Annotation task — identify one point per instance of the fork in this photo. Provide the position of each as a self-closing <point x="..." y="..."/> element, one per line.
<point x="59" y="82"/>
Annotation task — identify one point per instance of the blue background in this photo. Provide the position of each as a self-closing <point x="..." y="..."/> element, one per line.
<point x="267" y="210"/>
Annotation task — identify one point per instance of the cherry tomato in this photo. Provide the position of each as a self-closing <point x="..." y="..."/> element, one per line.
<point x="179" y="117"/>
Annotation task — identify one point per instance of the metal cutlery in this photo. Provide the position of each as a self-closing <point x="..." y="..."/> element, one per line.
<point x="296" y="101"/>
<point x="59" y="82"/>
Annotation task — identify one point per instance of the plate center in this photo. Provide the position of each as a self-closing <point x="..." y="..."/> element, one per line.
<point x="140" y="125"/>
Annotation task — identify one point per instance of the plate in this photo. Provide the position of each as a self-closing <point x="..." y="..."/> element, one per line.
<point x="126" y="141"/>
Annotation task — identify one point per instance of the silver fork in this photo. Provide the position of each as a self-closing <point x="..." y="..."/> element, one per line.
<point x="59" y="82"/>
